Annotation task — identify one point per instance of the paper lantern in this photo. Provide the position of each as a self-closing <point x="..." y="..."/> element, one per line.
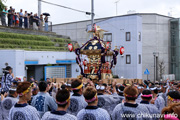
<point x="108" y="45"/>
<point x="121" y="51"/>
<point x="85" y="62"/>
<point x="70" y="47"/>
<point x="95" y="27"/>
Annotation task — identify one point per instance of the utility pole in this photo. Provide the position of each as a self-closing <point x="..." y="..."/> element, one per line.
<point x="117" y="7"/>
<point x="155" y="56"/>
<point x="39" y="7"/>
<point x="92" y="13"/>
<point x="154" y="68"/>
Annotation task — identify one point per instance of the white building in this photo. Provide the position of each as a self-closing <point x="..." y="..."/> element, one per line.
<point x="34" y="63"/>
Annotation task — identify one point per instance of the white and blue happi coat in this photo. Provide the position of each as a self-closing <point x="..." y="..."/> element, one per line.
<point x="6" y="104"/>
<point x="139" y="99"/>
<point x="23" y="112"/>
<point x="164" y="96"/>
<point x="58" y="115"/>
<point x="6" y="82"/>
<point x="154" y="112"/>
<point x="109" y="102"/>
<point x="159" y="103"/>
<point x="124" y="111"/>
<point x="118" y="98"/>
<point x="1" y="118"/>
<point x="43" y="102"/>
<point x="93" y="113"/>
<point x="77" y="103"/>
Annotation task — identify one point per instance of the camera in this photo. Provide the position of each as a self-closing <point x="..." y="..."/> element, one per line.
<point x="2" y="91"/>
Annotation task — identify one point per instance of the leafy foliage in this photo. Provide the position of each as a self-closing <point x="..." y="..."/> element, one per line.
<point x="1" y="6"/>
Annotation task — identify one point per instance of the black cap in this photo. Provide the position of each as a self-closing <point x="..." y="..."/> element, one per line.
<point x="146" y="82"/>
<point x="63" y="86"/>
<point x="174" y="94"/>
<point x="8" y="68"/>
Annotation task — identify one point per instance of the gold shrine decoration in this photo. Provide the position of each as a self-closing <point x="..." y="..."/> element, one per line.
<point x="94" y="59"/>
<point x="94" y="42"/>
<point x="90" y="52"/>
<point x="97" y="32"/>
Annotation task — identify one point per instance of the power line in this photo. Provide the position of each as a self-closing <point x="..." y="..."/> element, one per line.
<point x="88" y="13"/>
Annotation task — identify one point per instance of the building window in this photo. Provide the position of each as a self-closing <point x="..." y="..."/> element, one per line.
<point x="139" y="36"/>
<point x="128" y="36"/>
<point x="128" y="59"/>
<point x="139" y="59"/>
<point x="108" y="37"/>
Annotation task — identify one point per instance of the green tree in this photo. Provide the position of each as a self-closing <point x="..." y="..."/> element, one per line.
<point x="161" y="69"/>
<point x="1" y="5"/>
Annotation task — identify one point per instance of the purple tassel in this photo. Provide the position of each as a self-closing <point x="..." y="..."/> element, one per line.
<point x="77" y="51"/>
<point x="112" y="61"/>
<point x="102" y="50"/>
<point x="77" y="61"/>
<point x="82" y="73"/>
<point x="99" y="72"/>
<point x="115" y="52"/>
<point x="115" y="59"/>
<point x="103" y="59"/>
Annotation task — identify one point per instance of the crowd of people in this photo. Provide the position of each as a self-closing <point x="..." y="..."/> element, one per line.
<point x="23" y="20"/>
<point x="83" y="100"/>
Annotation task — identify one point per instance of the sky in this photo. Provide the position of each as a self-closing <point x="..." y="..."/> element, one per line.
<point x="102" y="8"/>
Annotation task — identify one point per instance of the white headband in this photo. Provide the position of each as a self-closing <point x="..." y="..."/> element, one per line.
<point x="68" y="84"/>
<point x="140" y="87"/>
<point x="153" y="88"/>
<point x="12" y="89"/>
<point x="120" y="91"/>
<point x="100" y="87"/>
<point x="159" y="88"/>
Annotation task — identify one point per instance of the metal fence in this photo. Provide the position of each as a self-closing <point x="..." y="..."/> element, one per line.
<point x="34" y="27"/>
<point x="41" y="27"/>
<point x="50" y="26"/>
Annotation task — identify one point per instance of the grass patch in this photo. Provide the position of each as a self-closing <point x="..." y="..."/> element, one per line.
<point x="24" y="36"/>
<point x="32" y="42"/>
